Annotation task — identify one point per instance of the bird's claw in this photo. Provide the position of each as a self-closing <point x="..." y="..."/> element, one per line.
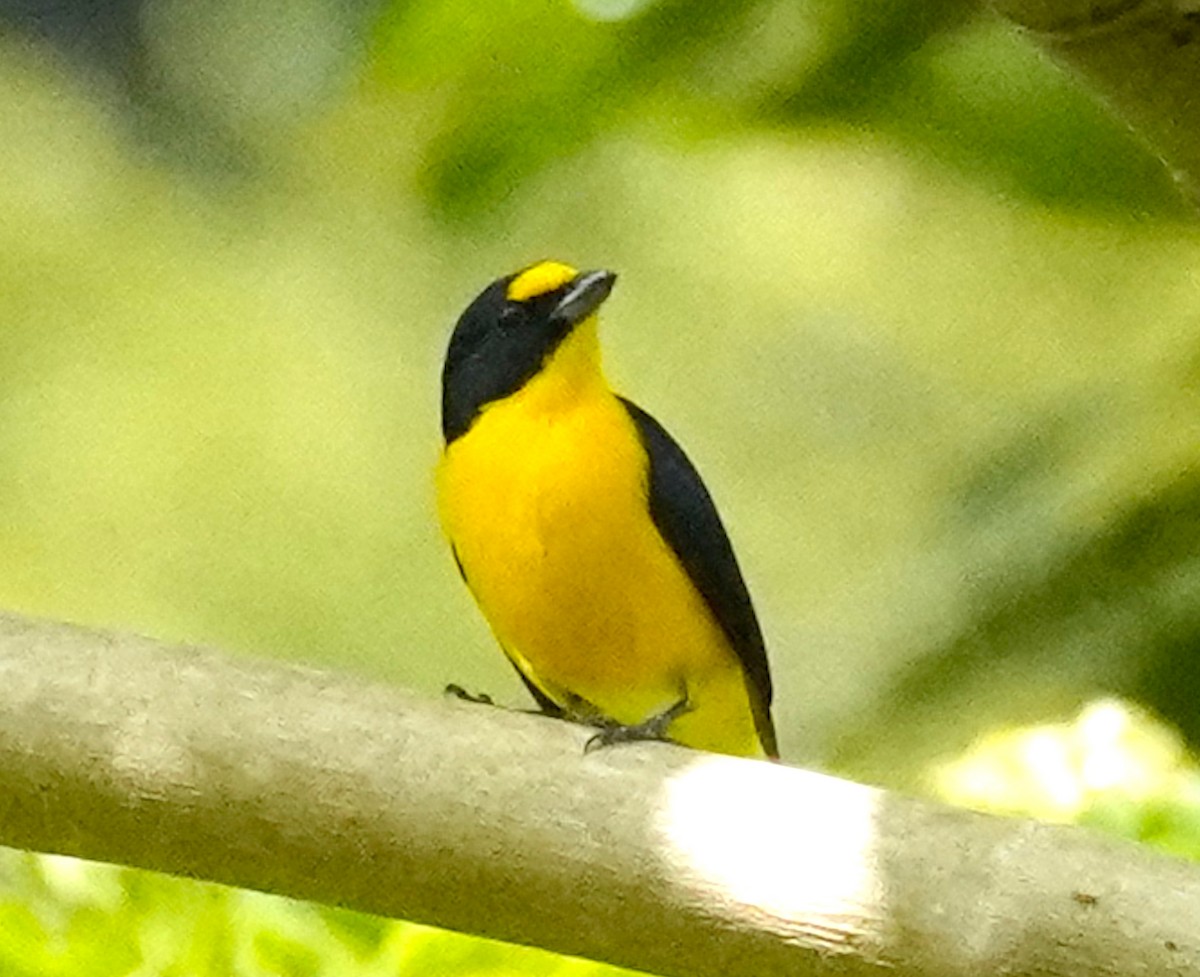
<point x="652" y="730"/>
<point x="459" y="692"/>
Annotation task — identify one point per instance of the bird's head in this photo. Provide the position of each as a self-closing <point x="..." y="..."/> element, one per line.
<point x="510" y="332"/>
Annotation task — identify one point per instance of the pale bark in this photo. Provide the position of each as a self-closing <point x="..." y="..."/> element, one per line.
<point x="318" y="786"/>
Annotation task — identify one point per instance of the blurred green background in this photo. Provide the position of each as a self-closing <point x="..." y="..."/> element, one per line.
<point x="922" y="314"/>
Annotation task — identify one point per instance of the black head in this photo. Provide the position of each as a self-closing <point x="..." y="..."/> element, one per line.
<point x="508" y="333"/>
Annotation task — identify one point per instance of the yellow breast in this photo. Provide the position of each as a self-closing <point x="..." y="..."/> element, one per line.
<point x="545" y="502"/>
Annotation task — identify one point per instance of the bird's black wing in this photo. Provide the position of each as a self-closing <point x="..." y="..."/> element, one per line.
<point x="685" y="515"/>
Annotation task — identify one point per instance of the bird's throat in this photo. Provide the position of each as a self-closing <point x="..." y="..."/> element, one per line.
<point x="572" y="372"/>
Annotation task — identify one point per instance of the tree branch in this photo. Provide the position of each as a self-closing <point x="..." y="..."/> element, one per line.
<point x="1141" y="56"/>
<point x="306" y="784"/>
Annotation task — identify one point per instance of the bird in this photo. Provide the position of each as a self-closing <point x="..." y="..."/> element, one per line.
<point x="586" y="535"/>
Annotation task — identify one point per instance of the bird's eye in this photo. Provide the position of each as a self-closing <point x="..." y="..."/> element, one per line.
<point x="511" y="316"/>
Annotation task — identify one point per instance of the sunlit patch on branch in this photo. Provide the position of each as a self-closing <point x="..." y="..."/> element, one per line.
<point x="794" y="846"/>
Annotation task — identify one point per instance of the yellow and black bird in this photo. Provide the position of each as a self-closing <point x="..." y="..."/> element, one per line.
<point x="585" y="533"/>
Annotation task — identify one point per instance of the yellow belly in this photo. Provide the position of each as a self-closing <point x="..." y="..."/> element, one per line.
<point x="547" y="511"/>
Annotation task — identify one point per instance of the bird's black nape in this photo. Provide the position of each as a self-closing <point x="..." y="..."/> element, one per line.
<point x="469" y="378"/>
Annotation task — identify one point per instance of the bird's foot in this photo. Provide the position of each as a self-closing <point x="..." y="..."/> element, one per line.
<point x="652" y="729"/>
<point x="547" y="708"/>
<point x="459" y="692"/>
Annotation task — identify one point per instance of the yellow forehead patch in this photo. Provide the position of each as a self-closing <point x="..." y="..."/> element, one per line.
<point x="543" y="277"/>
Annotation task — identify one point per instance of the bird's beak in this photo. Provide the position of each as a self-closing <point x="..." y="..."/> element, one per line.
<point x="585" y="292"/>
